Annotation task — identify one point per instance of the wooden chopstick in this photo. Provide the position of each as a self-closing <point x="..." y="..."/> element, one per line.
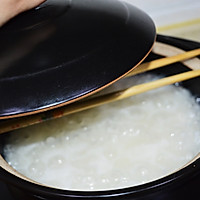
<point x="91" y="103"/>
<point x="13" y="124"/>
<point x="164" y="61"/>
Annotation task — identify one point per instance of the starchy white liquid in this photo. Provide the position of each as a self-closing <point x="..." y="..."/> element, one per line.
<point x="121" y="144"/>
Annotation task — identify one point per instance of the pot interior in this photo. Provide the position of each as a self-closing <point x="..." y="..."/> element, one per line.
<point x="192" y="85"/>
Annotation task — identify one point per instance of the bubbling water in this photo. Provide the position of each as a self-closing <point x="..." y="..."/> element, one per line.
<point x="117" y="145"/>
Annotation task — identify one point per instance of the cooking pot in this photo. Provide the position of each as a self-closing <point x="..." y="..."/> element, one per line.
<point x="182" y="184"/>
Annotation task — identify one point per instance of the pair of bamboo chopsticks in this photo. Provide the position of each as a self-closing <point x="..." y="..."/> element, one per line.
<point x="17" y="123"/>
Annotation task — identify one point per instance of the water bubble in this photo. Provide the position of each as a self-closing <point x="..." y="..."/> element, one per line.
<point x="67" y="138"/>
<point x="124" y="133"/>
<point x="50" y="140"/>
<point x="177" y="84"/>
<point x="144" y="172"/>
<point x="60" y="161"/>
<point x="85" y="128"/>
<point x="131" y="130"/>
<point x="198" y="100"/>
<point x="172" y="134"/>
<point x="159" y="105"/>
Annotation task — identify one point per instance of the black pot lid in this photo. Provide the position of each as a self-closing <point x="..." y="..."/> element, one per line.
<point x="65" y="50"/>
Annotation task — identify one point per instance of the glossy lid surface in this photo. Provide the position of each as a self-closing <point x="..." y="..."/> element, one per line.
<point x="65" y="50"/>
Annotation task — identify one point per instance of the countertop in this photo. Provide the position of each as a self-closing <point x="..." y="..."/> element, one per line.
<point x="174" y="18"/>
